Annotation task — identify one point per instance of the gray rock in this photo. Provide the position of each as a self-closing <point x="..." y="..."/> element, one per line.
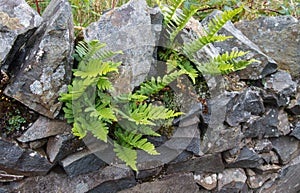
<point x="107" y="180"/>
<point x="207" y="181"/>
<point x="129" y="29"/>
<point x="46" y="62"/>
<point x="17" y="23"/>
<point x="279" y="88"/>
<point x="239" y="41"/>
<point x="267" y="169"/>
<point x="278" y="37"/>
<point x="270" y="157"/>
<point x="286" y="147"/>
<point x="288" y="180"/>
<point x="173" y="183"/>
<point x="81" y="162"/>
<point x="242" y="106"/>
<point x="257" y="180"/>
<point x="294" y="106"/>
<point x="206" y="163"/>
<point x="60" y="146"/>
<point x="246" y="158"/>
<point x="263" y="146"/>
<point x="37" y="143"/>
<point x="44" y="127"/>
<point x="296" y="131"/>
<point x="272" y="124"/>
<point x="148" y="169"/>
<point x="15" y="160"/>
<point x="232" y="180"/>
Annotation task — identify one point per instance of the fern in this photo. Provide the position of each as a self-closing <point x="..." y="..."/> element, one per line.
<point x="126" y="154"/>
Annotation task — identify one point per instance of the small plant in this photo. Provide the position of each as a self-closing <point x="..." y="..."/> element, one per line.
<point x="15" y="123"/>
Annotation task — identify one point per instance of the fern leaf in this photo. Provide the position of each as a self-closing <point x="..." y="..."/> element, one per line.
<point x="98" y="128"/>
<point x="104" y="84"/>
<point x="127" y="155"/>
<point x="189" y="70"/>
<point x="96" y="68"/>
<point x="169" y="12"/>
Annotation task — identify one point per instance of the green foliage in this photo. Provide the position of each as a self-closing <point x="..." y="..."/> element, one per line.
<point x="15" y="123"/>
<point x="90" y="107"/>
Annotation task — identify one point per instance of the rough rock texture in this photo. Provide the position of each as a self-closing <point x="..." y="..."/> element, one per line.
<point x="232" y="180"/>
<point x="294" y="106"/>
<point x="239" y="41"/>
<point x="15" y="160"/>
<point x="17" y="23"/>
<point x="257" y="180"/>
<point x="109" y="179"/>
<point x="45" y="62"/>
<point x="244" y="158"/>
<point x="296" y="131"/>
<point x="278" y="37"/>
<point x="207" y="181"/>
<point x="129" y="29"/>
<point x="173" y="183"/>
<point x="44" y="127"/>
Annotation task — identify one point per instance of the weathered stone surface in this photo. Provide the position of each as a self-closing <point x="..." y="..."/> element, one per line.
<point x="15" y="160"/>
<point x="278" y="37"/>
<point x="272" y="124"/>
<point x="245" y="158"/>
<point x="81" y="162"/>
<point x="37" y="143"/>
<point x="148" y="169"/>
<point x="129" y="29"/>
<point x="286" y="147"/>
<point x="109" y="179"/>
<point x="270" y="157"/>
<point x="17" y="23"/>
<point x="46" y="62"/>
<point x="242" y="106"/>
<point x="232" y="180"/>
<point x="267" y="169"/>
<point x="294" y="106"/>
<point x="296" y="131"/>
<point x="44" y="127"/>
<point x="5" y="177"/>
<point x="60" y="146"/>
<point x="241" y="42"/>
<point x="257" y="180"/>
<point x="172" y="183"/>
<point x="207" y="181"/>
<point x="279" y="87"/>
<point x="206" y="163"/>
<point x="288" y="180"/>
<point x="263" y="146"/>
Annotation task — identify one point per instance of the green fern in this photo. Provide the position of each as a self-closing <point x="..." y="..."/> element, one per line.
<point x="126" y="154"/>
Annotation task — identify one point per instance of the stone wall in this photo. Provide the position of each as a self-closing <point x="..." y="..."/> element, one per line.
<point x="246" y="139"/>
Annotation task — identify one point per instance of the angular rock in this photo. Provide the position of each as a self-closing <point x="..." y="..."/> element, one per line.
<point x="173" y="183"/>
<point x="279" y="88"/>
<point x="241" y="107"/>
<point x="288" y="180"/>
<point x="294" y="106"/>
<point x="239" y="41"/>
<point x="267" y="169"/>
<point x="206" y="163"/>
<point x="263" y="146"/>
<point x="278" y="37"/>
<point x="46" y="62"/>
<point x="148" y="169"/>
<point x="37" y="144"/>
<point x="270" y="157"/>
<point x="232" y="180"/>
<point x="17" y="23"/>
<point x="246" y="158"/>
<point x="129" y="29"/>
<point x="296" y="131"/>
<point x="108" y="179"/>
<point x="286" y="147"/>
<point x="257" y="180"/>
<point x="81" y="162"/>
<point x="272" y="124"/>
<point x="62" y="145"/>
<point x="44" y="127"/>
<point x="18" y="161"/>
<point x="207" y="181"/>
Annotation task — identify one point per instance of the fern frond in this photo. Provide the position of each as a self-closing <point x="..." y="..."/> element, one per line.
<point x="104" y="84"/>
<point x="143" y="129"/>
<point x="155" y="85"/>
<point x="96" y="68"/>
<point x="127" y="155"/>
<point x="189" y="70"/>
<point x="169" y="12"/>
<point x="98" y="128"/>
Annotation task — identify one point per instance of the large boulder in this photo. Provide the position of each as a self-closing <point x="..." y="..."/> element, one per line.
<point x="17" y="23"/>
<point x="45" y="62"/>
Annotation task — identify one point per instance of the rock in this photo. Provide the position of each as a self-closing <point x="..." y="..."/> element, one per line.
<point x="246" y="158"/>
<point x="278" y="37"/>
<point x="232" y="180"/>
<point x="239" y="41"/>
<point x="106" y="180"/>
<point x="267" y="169"/>
<point x="272" y="124"/>
<point x="5" y="177"/>
<point x="294" y="106"/>
<point x="81" y="162"/>
<point x="44" y="127"/>
<point x="288" y="180"/>
<point x="206" y="163"/>
<point x="148" y="169"/>
<point x="242" y="106"/>
<point x="257" y="180"/>
<point x="37" y="144"/>
<point x="286" y="147"/>
<point x="17" y="23"/>
<point x="60" y="146"/>
<point x="129" y="29"/>
<point x="296" y="131"/>
<point x="46" y="62"/>
<point x="18" y="161"/>
<point x="270" y="157"/>
<point x="207" y="181"/>
<point x="279" y="87"/>
<point x="173" y="183"/>
<point x="263" y="146"/>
